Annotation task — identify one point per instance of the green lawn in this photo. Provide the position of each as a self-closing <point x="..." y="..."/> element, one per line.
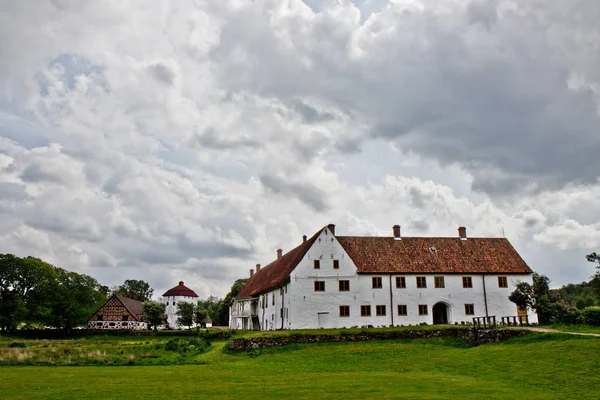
<point x="539" y="366"/>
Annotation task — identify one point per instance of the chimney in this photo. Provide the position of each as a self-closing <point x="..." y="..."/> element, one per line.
<point x="251" y="273"/>
<point x="257" y="268"/>
<point x="279" y="253"/>
<point x="396" y="229"/>
<point x="331" y="228"/>
<point x="462" y="233"/>
<point x="303" y="238"/>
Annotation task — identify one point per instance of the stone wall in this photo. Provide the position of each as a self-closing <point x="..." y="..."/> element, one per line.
<point x="471" y="336"/>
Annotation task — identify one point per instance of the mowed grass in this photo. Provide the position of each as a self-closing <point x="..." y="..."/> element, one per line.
<point x="538" y="366"/>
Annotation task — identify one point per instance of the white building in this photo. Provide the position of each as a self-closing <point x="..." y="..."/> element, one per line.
<point x="331" y="281"/>
<point x="172" y="297"/>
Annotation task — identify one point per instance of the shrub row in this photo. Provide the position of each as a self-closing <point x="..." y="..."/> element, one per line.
<point x="573" y="316"/>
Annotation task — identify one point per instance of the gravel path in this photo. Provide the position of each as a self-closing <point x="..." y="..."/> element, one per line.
<point x="548" y="330"/>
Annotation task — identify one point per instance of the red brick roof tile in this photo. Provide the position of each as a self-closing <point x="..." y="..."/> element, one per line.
<point x="433" y="255"/>
<point x="411" y="255"/>
<point x="276" y="273"/>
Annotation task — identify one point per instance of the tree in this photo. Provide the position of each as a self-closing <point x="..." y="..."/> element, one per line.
<point x="200" y="315"/>
<point x="595" y="282"/>
<point x="534" y="297"/>
<point x="223" y="311"/>
<point x="72" y="298"/>
<point x="211" y="307"/>
<point x="136" y="289"/>
<point x="185" y="314"/>
<point x="154" y="313"/>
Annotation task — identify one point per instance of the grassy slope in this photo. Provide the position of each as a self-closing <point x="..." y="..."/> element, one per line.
<point x="535" y="367"/>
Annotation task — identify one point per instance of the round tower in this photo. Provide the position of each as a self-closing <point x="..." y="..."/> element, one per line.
<point x="172" y="297"/>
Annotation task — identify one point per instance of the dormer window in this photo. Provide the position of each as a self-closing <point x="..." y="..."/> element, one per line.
<point x="432" y="249"/>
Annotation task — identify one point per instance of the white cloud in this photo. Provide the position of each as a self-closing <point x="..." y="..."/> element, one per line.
<point x="162" y="140"/>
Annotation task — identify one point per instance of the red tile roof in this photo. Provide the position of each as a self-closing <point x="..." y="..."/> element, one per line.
<point x="385" y="255"/>
<point x="277" y="273"/>
<point x="180" y="290"/>
<point x="433" y="255"/>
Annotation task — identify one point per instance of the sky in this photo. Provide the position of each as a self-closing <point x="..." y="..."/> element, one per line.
<point x="168" y="140"/>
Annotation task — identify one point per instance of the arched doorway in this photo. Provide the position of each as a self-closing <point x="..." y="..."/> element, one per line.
<point x="440" y="314"/>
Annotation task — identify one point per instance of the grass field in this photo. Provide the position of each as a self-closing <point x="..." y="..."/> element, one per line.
<point x="575" y="328"/>
<point x="540" y="366"/>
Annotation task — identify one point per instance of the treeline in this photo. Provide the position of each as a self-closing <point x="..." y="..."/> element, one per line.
<point x="34" y="293"/>
<point x="570" y="304"/>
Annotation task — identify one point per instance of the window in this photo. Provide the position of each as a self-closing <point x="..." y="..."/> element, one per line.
<point x="286" y="314"/>
<point x="365" y="311"/>
<point x="344" y="311"/>
<point x="400" y="282"/>
<point x="380" y="310"/>
<point x="125" y="318"/>
<point x="336" y="264"/>
<point x="467" y="282"/>
<point x="438" y="282"/>
<point x="317" y="264"/>
<point x="173" y="303"/>
<point x="469" y="309"/>
<point x="422" y="309"/>
<point x="402" y="309"/>
<point x="273" y="298"/>
<point x="377" y="282"/>
<point x="502" y="282"/>
<point x="344" y="286"/>
<point x="421" y="282"/>
<point x="319" y="286"/>
<point x="281" y="313"/>
<point x="100" y="318"/>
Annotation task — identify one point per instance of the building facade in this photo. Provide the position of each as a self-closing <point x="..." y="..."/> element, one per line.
<point x="118" y="312"/>
<point x="171" y="298"/>
<point x="332" y="281"/>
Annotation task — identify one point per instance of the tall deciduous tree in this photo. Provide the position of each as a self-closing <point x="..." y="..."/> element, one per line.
<point x="223" y="314"/>
<point x="185" y="314"/>
<point x="595" y="282"/>
<point x="534" y="297"/>
<point x="154" y="313"/>
<point x="73" y="298"/>
<point x="136" y="289"/>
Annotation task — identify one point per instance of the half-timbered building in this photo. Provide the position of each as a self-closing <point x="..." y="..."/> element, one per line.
<point x="118" y="312"/>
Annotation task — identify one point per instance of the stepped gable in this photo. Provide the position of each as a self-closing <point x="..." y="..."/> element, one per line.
<point x="276" y="273"/>
<point x="443" y="255"/>
<point x="180" y="290"/>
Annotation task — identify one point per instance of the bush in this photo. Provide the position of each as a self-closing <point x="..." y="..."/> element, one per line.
<point x="19" y="345"/>
<point x="591" y="315"/>
<point x="195" y="345"/>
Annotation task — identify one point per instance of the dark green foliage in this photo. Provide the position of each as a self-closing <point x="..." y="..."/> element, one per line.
<point x="591" y="316"/>
<point x="20" y="345"/>
<point x="192" y="345"/>
<point x="154" y="313"/>
<point x="185" y="314"/>
<point x="534" y="297"/>
<point x="136" y="289"/>
<point x="222" y="317"/>
<point x="33" y="292"/>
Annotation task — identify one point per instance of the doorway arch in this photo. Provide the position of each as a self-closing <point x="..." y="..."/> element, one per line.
<point x="440" y="313"/>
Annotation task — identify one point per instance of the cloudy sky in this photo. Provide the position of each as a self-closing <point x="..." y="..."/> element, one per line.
<point x="167" y="140"/>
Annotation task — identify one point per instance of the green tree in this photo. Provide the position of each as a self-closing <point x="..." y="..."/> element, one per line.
<point x="136" y="289"/>
<point x="185" y="314"/>
<point x="595" y="282"/>
<point x="534" y="297"/>
<point x="200" y="315"/>
<point x="223" y="310"/>
<point x="23" y="284"/>
<point x="72" y="298"/>
<point x="154" y="313"/>
<point x="211" y="307"/>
